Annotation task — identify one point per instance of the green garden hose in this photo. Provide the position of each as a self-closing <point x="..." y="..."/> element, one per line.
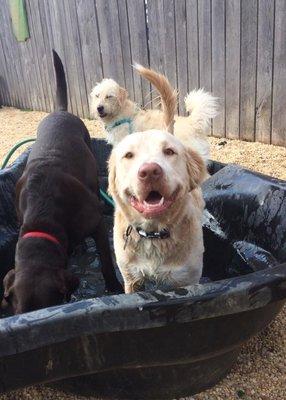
<point x="14" y="148"/>
<point x="106" y="198"/>
<point x="104" y="195"/>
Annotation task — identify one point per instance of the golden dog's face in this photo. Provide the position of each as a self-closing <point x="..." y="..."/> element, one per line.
<point x="151" y="171"/>
<point x="107" y="99"/>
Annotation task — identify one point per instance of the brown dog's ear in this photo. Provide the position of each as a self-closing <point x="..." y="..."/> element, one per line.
<point x="68" y="282"/>
<point x="18" y="190"/>
<point x="122" y="96"/>
<point x="8" y="282"/>
<point x="111" y="174"/>
<point x="196" y="168"/>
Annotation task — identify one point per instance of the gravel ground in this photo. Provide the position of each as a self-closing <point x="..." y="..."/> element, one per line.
<point x="260" y="372"/>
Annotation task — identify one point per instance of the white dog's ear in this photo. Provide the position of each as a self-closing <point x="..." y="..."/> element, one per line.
<point x="122" y="96"/>
<point x="111" y="175"/>
<point x="196" y="168"/>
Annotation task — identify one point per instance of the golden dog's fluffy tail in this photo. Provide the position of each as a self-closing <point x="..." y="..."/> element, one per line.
<point x="202" y="107"/>
<point x="167" y="93"/>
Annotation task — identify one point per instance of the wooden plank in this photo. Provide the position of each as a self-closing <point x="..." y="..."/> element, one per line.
<point x="39" y="52"/>
<point x="45" y="7"/>
<point x="108" y="23"/>
<point x="59" y="33"/>
<point x="90" y="43"/>
<point x="157" y="45"/>
<point x="181" y="45"/>
<point x="193" y="44"/>
<point x="157" y="34"/>
<point x="8" y="47"/>
<point x="4" y="74"/>
<point x="25" y="84"/>
<point x="28" y="78"/>
<point x="162" y="42"/>
<point x="205" y="50"/>
<point x="47" y="58"/>
<point x="264" y="70"/>
<point x="68" y="60"/>
<point x="74" y="58"/>
<point x="248" y="68"/>
<point x="125" y="47"/>
<point x="218" y="63"/>
<point x="204" y="20"/>
<point x="279" y="77"/>
<point x="139" y="46"/>
<point x="27" y="57"/>
<point x="232" y="68"/>
<point x="35" y="72"/>
<point x="169" y="41"/>
<point x="44" y="51"/>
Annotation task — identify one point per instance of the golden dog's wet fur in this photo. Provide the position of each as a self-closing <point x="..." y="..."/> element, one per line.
<point x="177" y="260"/>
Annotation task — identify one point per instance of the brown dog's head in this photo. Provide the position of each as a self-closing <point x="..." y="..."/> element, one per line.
<point x="28" y="290"/>
<point x="150" y="174"/>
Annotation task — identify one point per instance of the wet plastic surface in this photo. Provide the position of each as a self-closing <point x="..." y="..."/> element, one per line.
<point x="231" y="257"/>
<point x="128" y="344"/>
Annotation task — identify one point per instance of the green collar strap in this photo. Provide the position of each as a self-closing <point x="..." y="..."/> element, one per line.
<point x="120" y="122"/>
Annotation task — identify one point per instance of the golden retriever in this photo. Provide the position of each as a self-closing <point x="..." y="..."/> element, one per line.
<point x="155" y="182"/>
<point x="109" y="102"/>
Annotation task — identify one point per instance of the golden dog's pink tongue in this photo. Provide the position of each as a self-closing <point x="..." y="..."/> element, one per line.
<point x="154" y="198"/>
<point x="153" y="205"/>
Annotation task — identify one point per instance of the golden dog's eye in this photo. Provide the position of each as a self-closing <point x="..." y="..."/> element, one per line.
<point x="169" y="152"/>
<point x="129" y="155"/>
<point x="109" y="96"/>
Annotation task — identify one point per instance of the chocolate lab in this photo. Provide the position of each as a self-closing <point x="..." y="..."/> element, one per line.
<point x="58" y="205"/>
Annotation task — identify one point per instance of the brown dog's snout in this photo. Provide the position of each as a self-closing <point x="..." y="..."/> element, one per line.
<point x="150" y="171"/>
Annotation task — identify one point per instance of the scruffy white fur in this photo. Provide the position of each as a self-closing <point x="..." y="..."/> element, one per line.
<point x="191" y="130"/>
<point x="177" y="260"/>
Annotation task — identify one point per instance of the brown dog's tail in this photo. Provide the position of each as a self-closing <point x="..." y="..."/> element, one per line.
<point x="61" y="103"/>
<point x="167" y="93"/>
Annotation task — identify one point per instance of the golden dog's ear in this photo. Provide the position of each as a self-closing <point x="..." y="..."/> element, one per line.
<point x="122" y="96"/>
<point x="111" y="174"/>
<point x="196" y="168"/>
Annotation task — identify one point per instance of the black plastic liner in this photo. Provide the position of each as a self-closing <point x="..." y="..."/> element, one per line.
<point x="155" y="344"/>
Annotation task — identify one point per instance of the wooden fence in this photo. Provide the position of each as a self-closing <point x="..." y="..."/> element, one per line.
<point x="234" y="48"/>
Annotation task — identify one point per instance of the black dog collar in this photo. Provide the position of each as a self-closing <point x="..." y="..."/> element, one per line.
<point x="162" y="234"/>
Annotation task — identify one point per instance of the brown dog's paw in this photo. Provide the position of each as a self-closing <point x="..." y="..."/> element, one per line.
<point x="68" y="283"/>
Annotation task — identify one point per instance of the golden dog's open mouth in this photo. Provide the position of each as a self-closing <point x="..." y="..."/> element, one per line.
<point x="154" y="204"/>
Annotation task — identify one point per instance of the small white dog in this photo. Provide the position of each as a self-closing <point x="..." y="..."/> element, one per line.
<point x="155" y="182"/>
<point x="109" y="102"/>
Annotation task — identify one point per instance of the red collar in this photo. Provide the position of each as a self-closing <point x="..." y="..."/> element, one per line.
<point x="42" y="235"/>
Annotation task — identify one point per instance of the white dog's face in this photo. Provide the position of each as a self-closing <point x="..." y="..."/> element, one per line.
<point x="151" y="171"/>
<point x="107" y="99"/>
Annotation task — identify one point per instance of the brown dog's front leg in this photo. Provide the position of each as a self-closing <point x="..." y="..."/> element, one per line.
<point x="101" y="238"/>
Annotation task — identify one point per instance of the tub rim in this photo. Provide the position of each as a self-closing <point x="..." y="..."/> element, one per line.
<point x="141" y="310"/>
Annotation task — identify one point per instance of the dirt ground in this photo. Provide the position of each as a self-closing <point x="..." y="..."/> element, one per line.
<point x="260" y="372"/>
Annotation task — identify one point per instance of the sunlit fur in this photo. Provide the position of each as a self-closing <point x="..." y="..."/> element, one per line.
<point x="178" y="260"/>
<point x="191" y="130"/>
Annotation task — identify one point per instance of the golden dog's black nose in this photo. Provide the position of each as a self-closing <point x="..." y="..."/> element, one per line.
<point x="100" y="109"/>
<point x="150" y="171"/>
